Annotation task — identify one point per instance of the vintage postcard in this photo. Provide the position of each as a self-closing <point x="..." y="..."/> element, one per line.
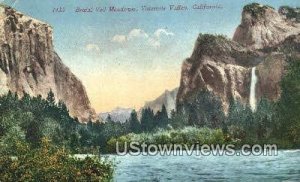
<point x="149" y="90"/>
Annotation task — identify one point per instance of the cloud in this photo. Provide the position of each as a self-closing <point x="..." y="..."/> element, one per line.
<point x="159" y="32"/>
<point x="137" y="33"/>
<point x="92" y="48"/>
<point x="119" y="38"/>
<point x="153" y="40"/>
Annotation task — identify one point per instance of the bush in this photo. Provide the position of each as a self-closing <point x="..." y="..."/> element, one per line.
<point x="49" y="163"/>
<point x="188" y="136"/>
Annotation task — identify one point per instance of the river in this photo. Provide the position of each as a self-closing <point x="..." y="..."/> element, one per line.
<point x="283" y="167"/>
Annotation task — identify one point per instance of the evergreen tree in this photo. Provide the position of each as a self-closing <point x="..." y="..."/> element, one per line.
<point x="161" y="117"/>
<point x="109" y="119"/>
<point x="147" y="120"/>
<point x="204" y="109"/>
<point x="51" y="98"/>
<point x="134" y="124"/>
<point x="63" y="108"/>
<point x="178" y="119"/>
<point x="33" y="133"/>
<point x="289" y="104"/>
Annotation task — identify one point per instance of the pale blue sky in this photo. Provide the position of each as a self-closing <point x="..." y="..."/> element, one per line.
<point x="116" y="54"/>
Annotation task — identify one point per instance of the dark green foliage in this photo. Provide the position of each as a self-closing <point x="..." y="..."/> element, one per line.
<point x="290" y="13"/>
<point x="51" y="98"/>
<point x="204" y="109"/>
<point x="37" y="117"/>
<point x="178" y="120"/>
<point x="49" y="163"/>
<point x="147" y="120"/>
<point x="187" y="135"/>
<point x="289" y="105"/>
<point x="24" y="126"/>
<point x="102" y="132"/>
<point x="248" y="126"/>
<point x="210" y="39"/>
<point x="277" y="122"/>
<point x="161" y="117"/>
<point x="256" y="9"/>
<point x="134" y="124"/>
<point x="151" y="121"/>
<point x="208" y="44"/>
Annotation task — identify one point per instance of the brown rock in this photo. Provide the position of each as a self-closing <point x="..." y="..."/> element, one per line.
<point x="262" y="26"/>
<point x="29" y="64"/>
<point x="265" y="40"/>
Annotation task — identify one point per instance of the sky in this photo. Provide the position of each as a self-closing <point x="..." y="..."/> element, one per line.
<point x="126" y="59"/>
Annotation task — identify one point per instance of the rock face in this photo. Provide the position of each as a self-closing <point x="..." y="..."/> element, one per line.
<point x="28" y="63"/>
<point x="117" y="115"/>
<point x="264" y="39"/>
<point x="168" y="98"/>
<point x="263" y="26"/>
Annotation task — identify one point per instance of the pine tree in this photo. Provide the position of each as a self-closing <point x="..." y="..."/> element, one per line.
<point x="147" y="120"/>
<point x="161" y="117"/>
<point x="62" y="107"/>
<point x="109" y="119"/>
<point x="134" y="123"/>
<point x="51" y="98"/>
<point x="289" y="104"/>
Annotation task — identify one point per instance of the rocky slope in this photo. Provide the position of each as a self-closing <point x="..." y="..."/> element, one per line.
<point x="264" y="39"/>
<point x="30" y="64"/>
<point x="168" y="98"/>
<point x="117" y="115"/>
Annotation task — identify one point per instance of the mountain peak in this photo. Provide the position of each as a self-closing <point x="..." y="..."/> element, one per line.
<point x="224" y="67"/>
<point x="262" y="26"/>
<point x="257" y="11"/>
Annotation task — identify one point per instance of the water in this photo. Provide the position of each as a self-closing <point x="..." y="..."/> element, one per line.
<point x="284" y="167"/>
<point x="252" y="98"/>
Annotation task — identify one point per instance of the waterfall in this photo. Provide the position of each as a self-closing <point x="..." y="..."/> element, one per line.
<point x="252" y="98"/>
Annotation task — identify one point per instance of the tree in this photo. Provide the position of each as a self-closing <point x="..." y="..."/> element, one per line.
<point x="147" y="120"/>
<point x="11" y="139"/>
<point x="162" y="118"/>
<point x="289" y="104"/>
<point x="74" y="142"/>
<point x="134" y="124"/>
<point x="63" y="108"/>
<point x="51" y="98"/>
<point x="109" y="119"/>
<point x="204" y="109"/>
<point x="178" y="119"/>
<point x="33" y="133"/>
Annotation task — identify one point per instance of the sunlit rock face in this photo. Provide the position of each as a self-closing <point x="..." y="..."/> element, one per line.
<point x="265" y="39"/>
<point x="220" y="66"/>
<point x="263" y="26"/>
<point x="168" y="98"/>
<point x="28" y="63"/>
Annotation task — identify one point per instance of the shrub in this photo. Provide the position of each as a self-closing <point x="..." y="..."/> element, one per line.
<point x="188" y="136"/>
<point x="49" y="163"/>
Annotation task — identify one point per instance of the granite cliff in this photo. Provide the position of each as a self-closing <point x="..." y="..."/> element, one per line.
<point x="168" y="98"/>
<point x="264" y="40"/>
<point x="29" y="63"/>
